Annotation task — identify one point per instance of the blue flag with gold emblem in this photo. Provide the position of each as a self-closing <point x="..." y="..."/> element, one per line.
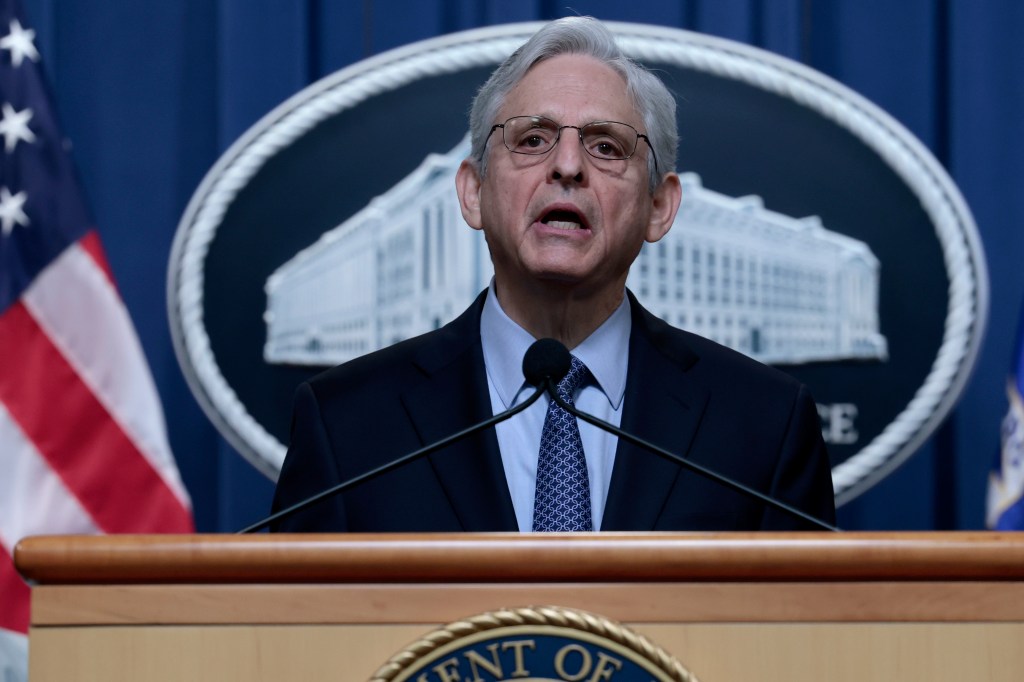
<point x="1006" y="483"/>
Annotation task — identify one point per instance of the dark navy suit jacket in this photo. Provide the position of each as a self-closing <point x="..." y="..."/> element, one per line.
<point x="685" y="393"/>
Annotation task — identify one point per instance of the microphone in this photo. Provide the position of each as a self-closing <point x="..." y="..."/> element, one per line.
<point x="546" y="362"/>
<point x="556" y="355"/>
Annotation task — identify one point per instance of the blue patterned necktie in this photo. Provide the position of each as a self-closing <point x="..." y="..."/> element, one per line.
<point x="562" y="500"/>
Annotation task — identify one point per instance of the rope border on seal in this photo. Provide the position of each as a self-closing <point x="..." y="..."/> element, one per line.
<point x="558" y="616"/>
<point x="968" y="288"/>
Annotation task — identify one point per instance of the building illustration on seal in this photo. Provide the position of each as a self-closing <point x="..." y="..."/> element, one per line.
<point x="780" y="289"/>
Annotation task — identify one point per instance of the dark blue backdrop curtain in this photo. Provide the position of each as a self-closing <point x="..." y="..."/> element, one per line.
<point x="151" y="93"/>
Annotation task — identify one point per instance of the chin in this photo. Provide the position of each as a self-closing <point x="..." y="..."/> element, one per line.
<point x="564" y="275"/>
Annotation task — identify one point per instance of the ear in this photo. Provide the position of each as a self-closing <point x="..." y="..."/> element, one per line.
<point x="664" y="204"/>
<point x="468" y="184"/>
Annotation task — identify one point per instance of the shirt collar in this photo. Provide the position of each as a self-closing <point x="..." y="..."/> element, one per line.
<point x="605" y="352"/>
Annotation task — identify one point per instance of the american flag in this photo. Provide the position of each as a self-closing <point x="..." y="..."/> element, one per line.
<point x="83" y="445"/>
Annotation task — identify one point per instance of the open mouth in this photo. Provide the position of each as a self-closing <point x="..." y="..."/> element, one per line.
<point x="561" y="219"/>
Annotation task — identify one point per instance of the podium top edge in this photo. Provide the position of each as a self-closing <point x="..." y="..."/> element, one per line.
<point x="515" y="557"/>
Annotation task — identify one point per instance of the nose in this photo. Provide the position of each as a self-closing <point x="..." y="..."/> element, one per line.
<point x="567" y="157"/>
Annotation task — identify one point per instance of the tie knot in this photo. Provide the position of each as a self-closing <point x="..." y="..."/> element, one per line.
<point x="571" y="381"/>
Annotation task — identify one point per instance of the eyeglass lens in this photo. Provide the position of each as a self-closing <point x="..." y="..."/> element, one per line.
<point x="607" y="140"/>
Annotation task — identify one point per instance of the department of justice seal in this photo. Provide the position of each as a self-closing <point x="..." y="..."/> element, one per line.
<point x="533" y="644"/>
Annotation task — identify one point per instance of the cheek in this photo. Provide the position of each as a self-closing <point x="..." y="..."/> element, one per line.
<point x="628" y="223"/>
<point x="506" y="207"/>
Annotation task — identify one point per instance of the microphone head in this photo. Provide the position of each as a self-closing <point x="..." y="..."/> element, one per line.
<point x="546" y="359"/>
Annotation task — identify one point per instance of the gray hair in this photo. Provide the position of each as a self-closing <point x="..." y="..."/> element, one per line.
<point x="581" y="36"/>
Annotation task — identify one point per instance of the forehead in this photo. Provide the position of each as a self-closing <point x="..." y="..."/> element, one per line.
<point x="572" y="89"/>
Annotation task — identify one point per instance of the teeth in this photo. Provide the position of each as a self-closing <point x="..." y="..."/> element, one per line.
<point x="563" y="225"/>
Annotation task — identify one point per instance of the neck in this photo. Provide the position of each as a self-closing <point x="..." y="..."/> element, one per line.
<point x="563" y="313"/>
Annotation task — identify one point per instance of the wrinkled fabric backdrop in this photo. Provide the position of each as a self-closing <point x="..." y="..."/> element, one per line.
<point x="151" y="93"/>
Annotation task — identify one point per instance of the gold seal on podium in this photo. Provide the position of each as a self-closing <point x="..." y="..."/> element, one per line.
<point x="533" y="644"/>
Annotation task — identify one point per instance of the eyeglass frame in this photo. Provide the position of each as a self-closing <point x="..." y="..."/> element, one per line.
<point x="579" y="134"/>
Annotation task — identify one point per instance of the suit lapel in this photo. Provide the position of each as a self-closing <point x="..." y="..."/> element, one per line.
<point x="452" y="397"/>
<point x="664" y="406"/>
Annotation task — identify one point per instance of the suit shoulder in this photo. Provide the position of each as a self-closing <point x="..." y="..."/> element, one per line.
<point x="401" y="364"/>
<point x="710" y="358"/>
<point x="397" y="362"/>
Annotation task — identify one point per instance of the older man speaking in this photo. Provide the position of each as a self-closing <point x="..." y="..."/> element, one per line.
<point x="571" y="171"/>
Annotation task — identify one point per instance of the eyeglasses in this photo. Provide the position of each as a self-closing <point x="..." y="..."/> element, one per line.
<point x="604" y="140"/>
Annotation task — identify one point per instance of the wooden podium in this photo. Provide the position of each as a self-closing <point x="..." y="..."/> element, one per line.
<point x="730" y="607"/>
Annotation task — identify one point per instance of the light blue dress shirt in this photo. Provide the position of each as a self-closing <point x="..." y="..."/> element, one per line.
<point x="605" y="353"/>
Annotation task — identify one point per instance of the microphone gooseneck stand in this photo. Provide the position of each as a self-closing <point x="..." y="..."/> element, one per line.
<point x="554" y="348"/>
<point x="544" y="365"/>
<point x="542" y="362"/>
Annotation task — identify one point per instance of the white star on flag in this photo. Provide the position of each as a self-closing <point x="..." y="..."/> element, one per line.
<point x="19" y="42"/>
<point x="14" y="127"/>
<point x="11" y="210"/>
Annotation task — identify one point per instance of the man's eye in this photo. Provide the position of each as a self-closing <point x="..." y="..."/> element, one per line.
<point x="534" y="140"/>
<point x="607" y="148"/>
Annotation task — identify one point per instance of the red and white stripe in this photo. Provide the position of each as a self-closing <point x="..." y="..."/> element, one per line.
<point x="83" y="446"/>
